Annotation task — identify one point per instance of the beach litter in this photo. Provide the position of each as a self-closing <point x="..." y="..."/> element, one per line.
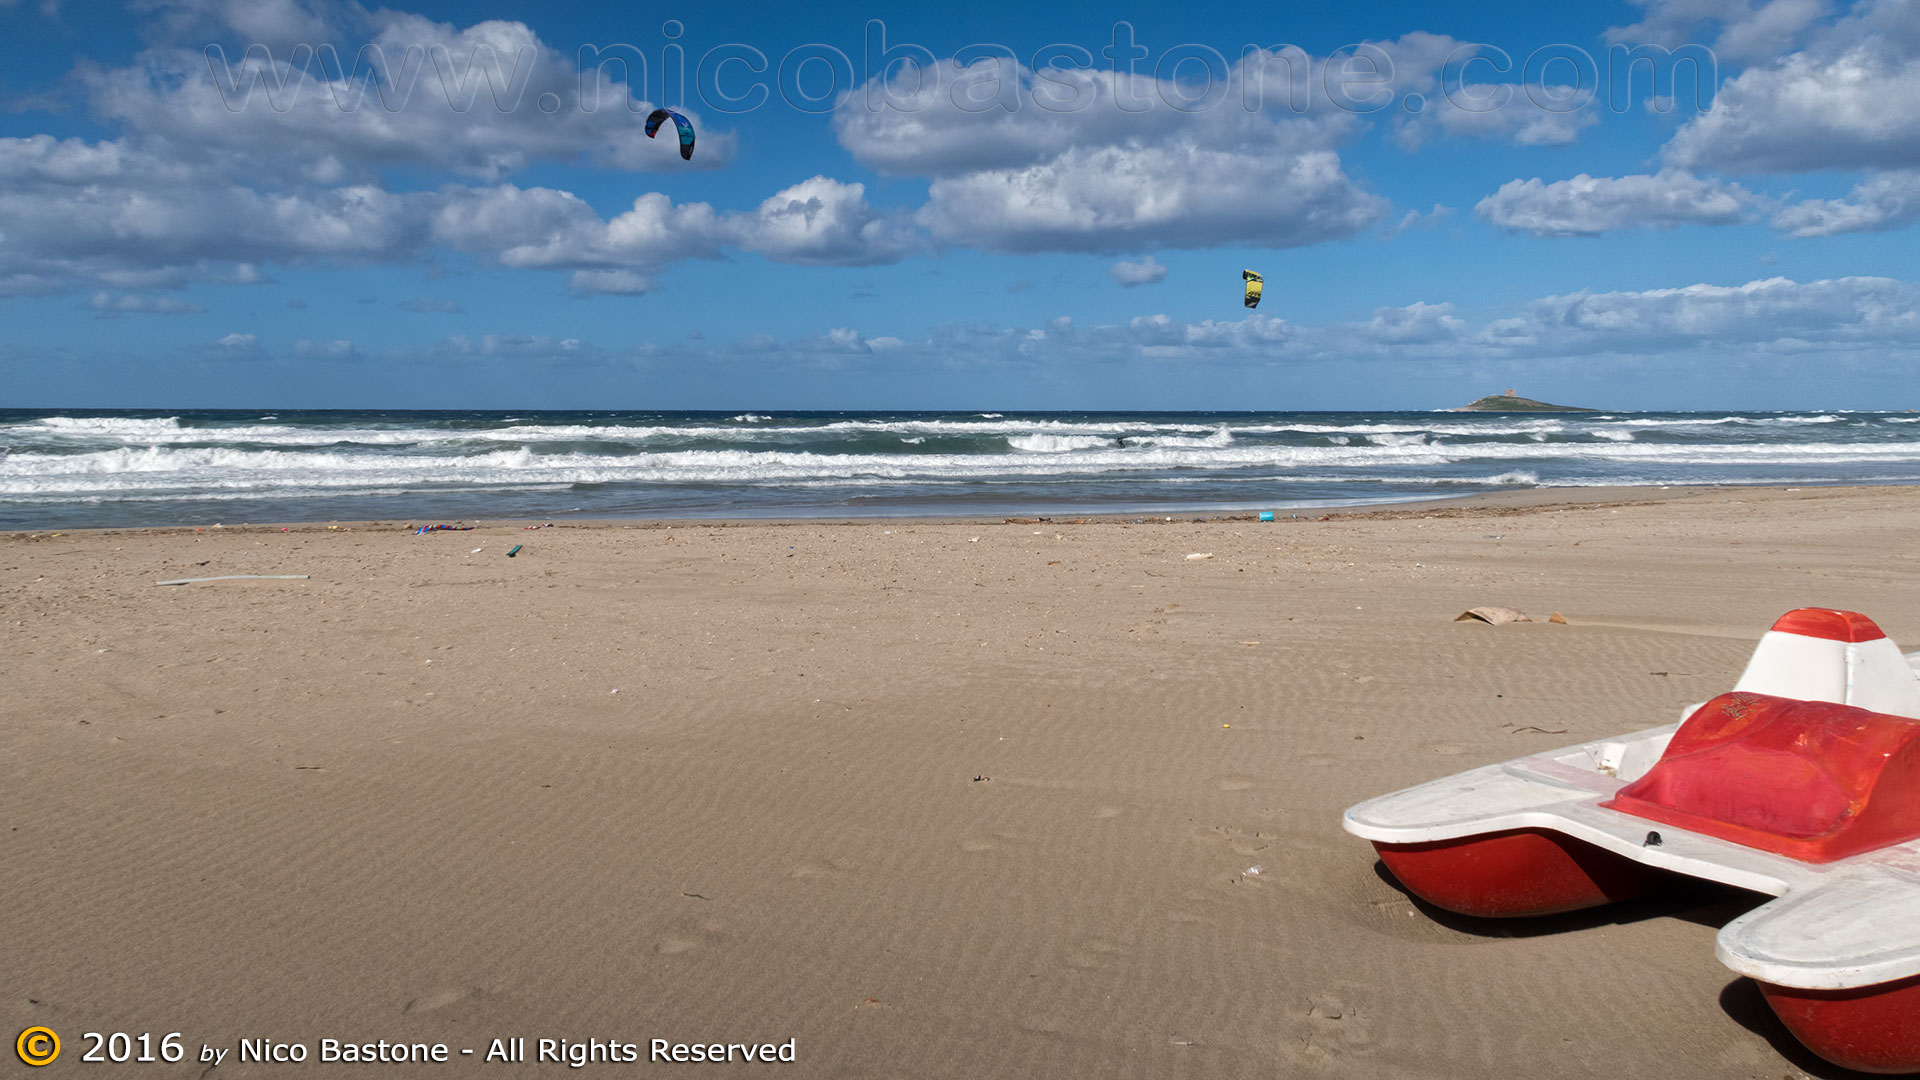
<point x="423" y="530"/>
<point x="1494" y="615"/>
<point x="514" y="550"/>
<point x="1266" y="515"/>
<point x="1198" y="555"/>
<point x="235" y="577"/>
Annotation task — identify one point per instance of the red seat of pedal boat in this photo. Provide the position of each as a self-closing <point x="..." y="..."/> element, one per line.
<point x="1811" y="780"/>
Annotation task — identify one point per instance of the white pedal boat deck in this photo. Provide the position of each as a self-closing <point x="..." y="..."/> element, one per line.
<point x="1841" y="940"/>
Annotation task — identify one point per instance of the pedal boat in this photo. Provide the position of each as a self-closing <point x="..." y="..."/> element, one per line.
<point x="1803" y="783"/>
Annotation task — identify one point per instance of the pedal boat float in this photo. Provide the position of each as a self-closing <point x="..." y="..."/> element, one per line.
<point x="1803" y="784"/>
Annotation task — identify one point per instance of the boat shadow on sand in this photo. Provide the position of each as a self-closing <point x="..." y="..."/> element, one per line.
<point x="1703" y="903"/>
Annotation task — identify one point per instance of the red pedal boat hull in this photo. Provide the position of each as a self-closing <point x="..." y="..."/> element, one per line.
<point x="1873" y="1029"/>
<point x="1514" y="874"/>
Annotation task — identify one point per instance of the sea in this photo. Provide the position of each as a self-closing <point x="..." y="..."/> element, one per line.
<point x="86" y="468"/>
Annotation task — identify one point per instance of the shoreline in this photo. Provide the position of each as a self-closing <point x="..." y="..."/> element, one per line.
<point x="1489" y="503"/>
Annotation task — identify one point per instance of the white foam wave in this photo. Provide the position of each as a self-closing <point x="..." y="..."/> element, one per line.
<point x="1056" y="444"/>
<point x="160" y="469"/>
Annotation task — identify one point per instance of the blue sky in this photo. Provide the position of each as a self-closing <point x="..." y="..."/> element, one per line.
<point x="1446" y="202"/>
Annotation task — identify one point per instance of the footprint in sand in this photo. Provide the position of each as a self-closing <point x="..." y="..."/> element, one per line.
<point x="1238" y="841"/>
<point x="1330" y="1028"/>
<point x="989" y="842"/>
<point x="687" y="939"/>
<point x="440" y="999"/>
<point x="828" y="868"/>
<point x="1094" y="954"/>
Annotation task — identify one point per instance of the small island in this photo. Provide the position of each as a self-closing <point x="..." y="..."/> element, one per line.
<point x="1511" y="401"/>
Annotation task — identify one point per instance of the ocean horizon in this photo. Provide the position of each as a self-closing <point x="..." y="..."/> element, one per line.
<point x="81" y="468"/>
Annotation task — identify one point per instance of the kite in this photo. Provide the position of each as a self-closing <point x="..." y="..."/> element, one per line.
<point x="659" y="116"/>
<point x="1253" y="287"/>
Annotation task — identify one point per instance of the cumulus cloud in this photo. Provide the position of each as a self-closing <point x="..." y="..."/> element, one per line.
<point x="1744" y="30"/>
<point x="118" y="215"/>
<point x="1849" y="100"/>
<point x="817" y="222"/>
<point x="1177" y="196"/>
<point x="235" y="341"/>
<point x="823" y="222"/>
<point x="1775" y="314"/>
<point x="130" y="218"/>
<point x="1590" y="205"/>
<point x="247" y="155"/>
<point x="1883" y="201"/>
<point x="1088" y="160"/>
<point x="1547" y="115"/>
<point x="1416" y="323"/>
<point x="1144" y="272"/>
<point x="332" y="92"/>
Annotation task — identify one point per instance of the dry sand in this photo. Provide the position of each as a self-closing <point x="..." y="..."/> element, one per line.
<point x="928" y="805"/>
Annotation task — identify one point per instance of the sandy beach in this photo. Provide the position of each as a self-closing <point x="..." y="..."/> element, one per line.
<point x="930" y="799"/>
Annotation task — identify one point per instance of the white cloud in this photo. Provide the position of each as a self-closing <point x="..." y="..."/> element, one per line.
<point x="1850" y="100"/>
<point x="1747" y="29"/>
<point x="1883" y="201"/>
<point x="129" y="218"/>
<point x="1144" y="272"/>
<point x="1414" y="219"/>
<point x="484" y="101"/>
<point x="1484" y="108"/>
<point x="1070" y="159"/>
<point x="823" y="222"/>
<point x="1590" y="205"/>
<point x="817" y="222"/>
<point x="118" y="215"/>
<point x="109" y="305"/>
<point x="1177" y="196"/>
<point x="1775" y="314"/>
<point x="1088" y="160"/>
<point x="235" y="341"/>
<point x="1416" y="323"/>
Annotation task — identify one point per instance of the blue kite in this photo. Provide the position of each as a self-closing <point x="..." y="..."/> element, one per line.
<point x="659" y="116"/>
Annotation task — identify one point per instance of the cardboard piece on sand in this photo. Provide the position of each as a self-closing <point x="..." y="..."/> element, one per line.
<point x="1494" y="615"/>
